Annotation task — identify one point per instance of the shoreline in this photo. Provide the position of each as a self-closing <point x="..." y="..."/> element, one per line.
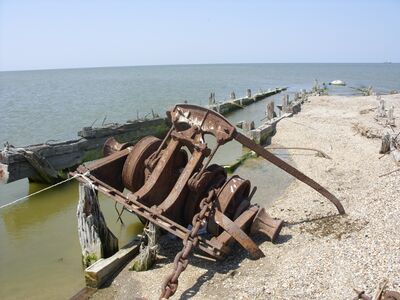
<point x="318" y="255"/>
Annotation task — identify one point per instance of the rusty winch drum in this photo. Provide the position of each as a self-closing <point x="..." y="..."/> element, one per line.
<point x="172" y="184"/>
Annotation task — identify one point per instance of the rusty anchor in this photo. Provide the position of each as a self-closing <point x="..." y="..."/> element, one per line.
<point x="172" y="184"/>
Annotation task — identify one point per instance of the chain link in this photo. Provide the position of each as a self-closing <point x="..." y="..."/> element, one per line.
<point x="170" y="284"/>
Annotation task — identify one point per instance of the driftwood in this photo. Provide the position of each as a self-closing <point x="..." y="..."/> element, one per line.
<point x="368" y="132"/>
<point x="96" y="240"/>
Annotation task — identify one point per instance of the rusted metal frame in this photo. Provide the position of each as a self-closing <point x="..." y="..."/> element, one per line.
<point x="111" y="146"/>
<point x="243" y="222"/>
<point x="238" y="234"/>
<point x="164" y="141"/>
<point x="105" y="160"/>
<point x="101" y="168"/>
<point x="218" y="126"/>
<point x="191" y="138"/>
<point x="289" y="169"/>
<point x="213" y="248"/>
<point x="177" y="195"/>
<point x="211" y="122"/>
<point x="150" y="194"/>
<point x="205" y="165"/>
<point x="264" y="223"/>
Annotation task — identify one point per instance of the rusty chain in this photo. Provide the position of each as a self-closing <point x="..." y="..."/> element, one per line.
<point x="170" y="284"/>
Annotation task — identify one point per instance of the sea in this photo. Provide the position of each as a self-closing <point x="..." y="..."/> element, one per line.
<point x="40" y="255"/>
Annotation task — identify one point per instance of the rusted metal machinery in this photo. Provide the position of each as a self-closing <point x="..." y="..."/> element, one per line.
<point x="172" y="184"/>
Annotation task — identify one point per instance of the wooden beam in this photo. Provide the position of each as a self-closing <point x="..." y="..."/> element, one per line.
<point x="104" y="269"/>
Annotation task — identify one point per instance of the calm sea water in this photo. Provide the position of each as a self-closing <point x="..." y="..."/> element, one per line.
<point x="39" y="248"/>
<point x="54" y="104"/>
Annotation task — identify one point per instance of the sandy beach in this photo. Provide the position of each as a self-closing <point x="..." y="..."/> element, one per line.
<point x="319" y="254"/>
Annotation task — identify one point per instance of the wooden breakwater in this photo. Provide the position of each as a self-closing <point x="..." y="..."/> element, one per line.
<point x="263" y="134"/>
<point x="225" y="107"/>
<point x="49" y="162"/>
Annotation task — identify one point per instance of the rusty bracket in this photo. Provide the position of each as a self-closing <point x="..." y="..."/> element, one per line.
<point x="218" y="126"/>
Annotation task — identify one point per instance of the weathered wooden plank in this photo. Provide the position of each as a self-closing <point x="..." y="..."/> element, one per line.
<point x="104" y="269"/>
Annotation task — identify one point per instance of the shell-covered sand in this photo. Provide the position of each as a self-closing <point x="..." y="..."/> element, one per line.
<point x="319" y="255"/>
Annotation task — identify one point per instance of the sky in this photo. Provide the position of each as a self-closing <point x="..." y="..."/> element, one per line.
<point x="40" y="34"/>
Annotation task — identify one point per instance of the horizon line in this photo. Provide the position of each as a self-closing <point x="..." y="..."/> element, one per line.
<point x="188" y="64"/>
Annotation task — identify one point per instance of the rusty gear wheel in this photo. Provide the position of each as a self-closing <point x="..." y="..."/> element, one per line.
<point x="133" y="175"/>
<point x="229" y="200"/>
<point x="214" y="176"/>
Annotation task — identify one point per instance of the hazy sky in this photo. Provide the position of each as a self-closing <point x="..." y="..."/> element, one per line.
<point x="68" y="34"/>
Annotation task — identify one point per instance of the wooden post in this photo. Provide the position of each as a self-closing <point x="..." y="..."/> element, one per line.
<point x="97" y="241"/>
<point x="148" y="249"/>
<point x="270" y="110"/>
<point x="285" y="103"/>
<point x="385" y="146"/>
<point x="248" y="125"/>
<point x="248" y="93"/>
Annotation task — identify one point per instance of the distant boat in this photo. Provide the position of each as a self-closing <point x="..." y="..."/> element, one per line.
<point x="337" y="82"/>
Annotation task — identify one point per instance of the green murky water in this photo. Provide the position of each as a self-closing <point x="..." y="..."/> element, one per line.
<point x="40" y="252"/>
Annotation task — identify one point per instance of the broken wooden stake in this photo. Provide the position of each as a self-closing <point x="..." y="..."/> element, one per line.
<point x="96" y="239"/>
<point x="148" y="249"/>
